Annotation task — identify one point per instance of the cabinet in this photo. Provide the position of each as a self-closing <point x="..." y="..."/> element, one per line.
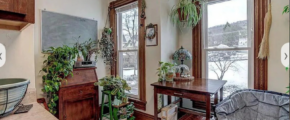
<point x="78" y="97"/>
<point x="16" y="14"/>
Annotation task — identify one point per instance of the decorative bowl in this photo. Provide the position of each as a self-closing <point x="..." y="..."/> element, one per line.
<point x="12" y="91"/>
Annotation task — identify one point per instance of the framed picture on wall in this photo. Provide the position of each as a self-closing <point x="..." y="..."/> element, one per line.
<point x="151" y="36"/>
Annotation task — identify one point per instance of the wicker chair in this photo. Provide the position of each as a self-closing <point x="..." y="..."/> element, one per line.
<point x="254" y="105"/>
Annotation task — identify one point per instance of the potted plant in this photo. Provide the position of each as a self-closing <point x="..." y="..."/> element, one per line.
<point x="123" y="114"/>
<point x="130" y="109"/>
<point x="88" y="48"/>
<point x="165" y="70"/>
<point x="186" y="13"/>
<point x="177" y="72"/>
<point x="117" y="86"/>
<point x="57" y="66"/>
<point x="106" y="46"/>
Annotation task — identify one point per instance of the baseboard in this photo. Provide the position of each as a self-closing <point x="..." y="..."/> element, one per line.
<point x="143" y="116"/>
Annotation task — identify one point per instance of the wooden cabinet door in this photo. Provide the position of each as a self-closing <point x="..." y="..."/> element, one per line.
<point x="80" y="109"/>
<point x="14" y="6"/>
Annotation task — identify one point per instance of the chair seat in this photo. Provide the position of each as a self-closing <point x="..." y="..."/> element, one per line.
<point x="254" y="105"/>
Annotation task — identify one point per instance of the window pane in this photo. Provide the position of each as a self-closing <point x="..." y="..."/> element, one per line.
<point x="128" y="69"/>
<point x="231" y="66"/>
<point x="227" y="24"/>
<point x="129" y="30"/>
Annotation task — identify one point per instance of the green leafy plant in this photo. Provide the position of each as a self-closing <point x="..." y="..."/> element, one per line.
<point x="130" y="108"/>
<point x="123" y="113"/>
<point x="57" y="66"/>
<point x="88" y="48"/>
<point x="106" y="45"/>
<point x="163" y="69"/>
<point x="186" y="13"/>
<point x="286" y="9"/>
<point x="116" y="85"/>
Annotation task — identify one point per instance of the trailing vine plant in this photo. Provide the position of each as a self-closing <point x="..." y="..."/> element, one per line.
<point x="57" y="66"/>
<point x="106" y="46"/>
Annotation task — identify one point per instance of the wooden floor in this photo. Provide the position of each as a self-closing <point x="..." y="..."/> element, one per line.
<point x="191" y="117"/>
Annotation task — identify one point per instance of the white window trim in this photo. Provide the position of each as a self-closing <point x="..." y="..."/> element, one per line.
<point x="250" y="47"/>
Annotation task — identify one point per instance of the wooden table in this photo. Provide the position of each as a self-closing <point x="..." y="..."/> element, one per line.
<point x="197" y="90"/>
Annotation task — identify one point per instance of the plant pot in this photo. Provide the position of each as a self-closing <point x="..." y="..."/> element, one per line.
<point x="79" y="59"/>
<point x="169" y="76"/>
<point x="182" y="16"/>
<point x="123" y="119"/>
<point x="177" y="74"/>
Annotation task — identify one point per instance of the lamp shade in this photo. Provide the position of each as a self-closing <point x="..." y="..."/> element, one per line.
<point x="182" y="54"/>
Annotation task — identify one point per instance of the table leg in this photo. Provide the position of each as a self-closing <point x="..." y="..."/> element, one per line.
<point x="155" y="104"/>
<point x="221" y="93"/>
<point x="169" y="99"/>
<point x="215" y="102"/>
<point x="208" y="110"/>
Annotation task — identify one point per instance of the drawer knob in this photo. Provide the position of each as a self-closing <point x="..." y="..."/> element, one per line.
<point x="178" y="94"/>
<point x="81" y="91"/>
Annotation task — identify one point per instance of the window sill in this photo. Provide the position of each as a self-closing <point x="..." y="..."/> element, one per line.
<point x="138" y="103"/>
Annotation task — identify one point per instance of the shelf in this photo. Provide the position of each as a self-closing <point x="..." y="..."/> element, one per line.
<point x="13" y="25"/>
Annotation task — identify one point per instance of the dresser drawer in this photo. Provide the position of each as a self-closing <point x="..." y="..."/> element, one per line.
<point x="183" y="94"/>
<point x="78" y="91"/>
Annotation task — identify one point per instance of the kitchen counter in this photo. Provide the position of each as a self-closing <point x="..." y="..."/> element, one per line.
<point x="37" y="112"/>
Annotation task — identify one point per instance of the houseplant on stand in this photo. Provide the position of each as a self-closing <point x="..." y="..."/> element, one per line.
<point x="186" y="13"/>
<point x="57" y="66"/>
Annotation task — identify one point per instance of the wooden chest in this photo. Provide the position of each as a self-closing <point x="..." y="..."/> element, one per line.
<point x="78" y="97"/>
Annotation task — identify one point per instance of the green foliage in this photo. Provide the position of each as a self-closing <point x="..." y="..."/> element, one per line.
<point x="108" y="30"/>
<point x="88" y="48"/>
<point x="57" y="66"/>
<point x="163" y="69"/>
<point x="190" y="10"/>
<point x="286" y="9"/>
<point x="130" y="108"/>
<point x="106" y="45"/>
<point x="116" y="85"/>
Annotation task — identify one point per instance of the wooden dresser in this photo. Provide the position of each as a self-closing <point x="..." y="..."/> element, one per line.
<point x="78" y="98"/>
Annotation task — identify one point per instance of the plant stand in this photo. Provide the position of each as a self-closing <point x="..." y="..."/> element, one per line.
<point x="113" y="110"/>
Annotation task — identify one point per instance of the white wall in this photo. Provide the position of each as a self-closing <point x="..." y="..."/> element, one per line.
<point x="278" y="77"/>
<point x="19" y="57"/>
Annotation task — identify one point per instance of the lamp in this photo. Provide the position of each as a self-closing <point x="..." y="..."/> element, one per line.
<point x="182" y="54"/>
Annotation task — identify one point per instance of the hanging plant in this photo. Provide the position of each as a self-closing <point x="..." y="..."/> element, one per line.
<point x="186" y="13"/>
<point x="106" y="45"/>
<point x="57" y="66"/>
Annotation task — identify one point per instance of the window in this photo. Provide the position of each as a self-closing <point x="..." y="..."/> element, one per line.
<point x="128" y="44"/>
<point x="227" y="35"/>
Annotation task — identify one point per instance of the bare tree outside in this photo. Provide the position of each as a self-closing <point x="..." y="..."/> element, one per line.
<point x="128" y="48"/>
<point x="220" y="62"/>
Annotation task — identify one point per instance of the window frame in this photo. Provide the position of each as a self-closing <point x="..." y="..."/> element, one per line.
<point x="119" y="47"/>
<point x="140" y="103"/>
<point x="249" y="48"/>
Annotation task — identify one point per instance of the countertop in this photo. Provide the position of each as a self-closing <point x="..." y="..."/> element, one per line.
<point x="37" y="112"/>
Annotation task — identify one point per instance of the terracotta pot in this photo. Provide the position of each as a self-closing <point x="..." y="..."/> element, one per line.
<point x="177" y="74"/>
<point x="79" y="59"/>
<point x="181" y="16"/>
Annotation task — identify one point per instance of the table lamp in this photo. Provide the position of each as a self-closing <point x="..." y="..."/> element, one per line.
<point x="182" y="54"/>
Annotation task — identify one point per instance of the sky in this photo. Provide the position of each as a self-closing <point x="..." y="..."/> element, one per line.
<point x="229" y="11"/>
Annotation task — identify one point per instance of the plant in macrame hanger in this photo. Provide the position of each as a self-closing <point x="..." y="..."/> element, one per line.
<point x="106" y="44"/>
